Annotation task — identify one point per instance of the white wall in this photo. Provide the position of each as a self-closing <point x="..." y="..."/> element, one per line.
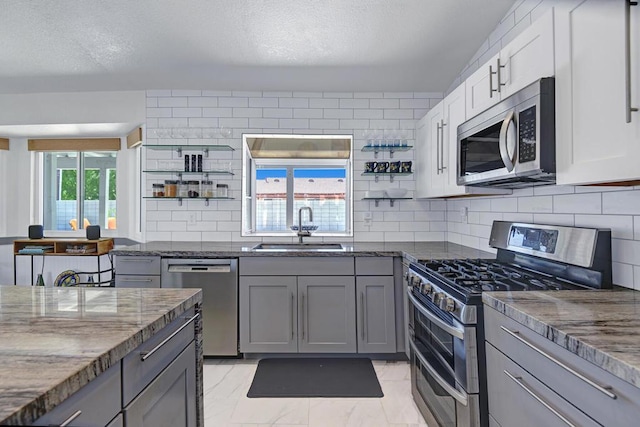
<point x="298" y="113"/>
<point x="617" y="208"/>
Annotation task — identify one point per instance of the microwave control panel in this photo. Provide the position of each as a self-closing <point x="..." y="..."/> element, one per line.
<point x="527" y="135"/>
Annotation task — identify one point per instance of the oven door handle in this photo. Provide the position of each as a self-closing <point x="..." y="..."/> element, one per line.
<point x="462" y="398"/>
<point x="456" y="332"/>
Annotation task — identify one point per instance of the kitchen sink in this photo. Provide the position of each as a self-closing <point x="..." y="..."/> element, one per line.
<point x="298" y="247"/>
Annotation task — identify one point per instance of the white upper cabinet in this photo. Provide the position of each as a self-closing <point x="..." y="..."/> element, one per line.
<point x="527" y="58"/>
<point x="597" y="85"/>
<point x="437" y="150"/>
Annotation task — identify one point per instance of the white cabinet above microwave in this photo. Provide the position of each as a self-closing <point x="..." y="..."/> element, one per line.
<point x="524" y="60"/>
<point x="597" y="88"/>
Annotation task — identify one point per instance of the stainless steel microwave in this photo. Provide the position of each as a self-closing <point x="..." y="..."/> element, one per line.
<point x="512" y="144"/>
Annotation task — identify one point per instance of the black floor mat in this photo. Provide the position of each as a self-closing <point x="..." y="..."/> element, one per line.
<point x="318" y="377"/>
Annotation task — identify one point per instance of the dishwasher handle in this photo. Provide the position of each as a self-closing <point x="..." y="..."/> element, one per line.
<point x="185" y="268"/>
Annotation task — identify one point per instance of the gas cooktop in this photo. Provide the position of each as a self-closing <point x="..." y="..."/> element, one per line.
<point x="472" y="276"/>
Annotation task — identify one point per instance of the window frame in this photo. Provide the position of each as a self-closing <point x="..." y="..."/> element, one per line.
<point x="249" y="201"/>
<point x="80" y="165"/>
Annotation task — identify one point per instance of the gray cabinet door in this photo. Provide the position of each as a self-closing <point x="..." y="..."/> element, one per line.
<point x="376" y="315"/>
<point x="170" y="399"/>
<point x="326" y="321"/>
<point x="268" y="314"/>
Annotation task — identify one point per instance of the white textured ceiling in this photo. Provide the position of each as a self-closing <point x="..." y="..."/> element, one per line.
<point x="330" y="45"/>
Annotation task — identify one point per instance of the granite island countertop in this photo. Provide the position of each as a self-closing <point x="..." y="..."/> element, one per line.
<point x="412" y="251"/>
<point x="602" y="327"/>
<point x="53" y="341"/>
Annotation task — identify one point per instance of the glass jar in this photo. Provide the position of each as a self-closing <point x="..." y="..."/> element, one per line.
<point x="206" y="189"/>
<point x="194" y="189"/>
<point x="222" y="190"/>
<point x="183" y="189"/>
<point x="158" y="190"/>
<point x="170" y="188"/>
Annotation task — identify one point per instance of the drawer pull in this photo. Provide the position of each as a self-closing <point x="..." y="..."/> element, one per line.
<point x="518" y="381"/>
<point x="136" y="280"/>
<point x="602" y="389"/>
<point x="69" y="420"/>
<point x="136" y="260"/>
<point x="146" y="354"/>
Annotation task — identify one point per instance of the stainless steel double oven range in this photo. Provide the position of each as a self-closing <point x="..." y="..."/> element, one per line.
<point x="446" y="332"/>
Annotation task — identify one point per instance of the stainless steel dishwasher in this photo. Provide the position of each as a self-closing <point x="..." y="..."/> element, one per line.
<point x="218" y="279"/>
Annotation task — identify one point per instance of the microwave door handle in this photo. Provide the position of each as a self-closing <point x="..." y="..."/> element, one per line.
<point x="507" y="159"/>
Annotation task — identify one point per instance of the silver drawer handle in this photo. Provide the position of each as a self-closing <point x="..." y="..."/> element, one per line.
<point x="602" y="389"/>
<point x="146" y="354"/>
<point x="136" y="260"/>
<point x="136" y="280"/>
<point x="518" y="381"/>
<point x="73" y="416"/>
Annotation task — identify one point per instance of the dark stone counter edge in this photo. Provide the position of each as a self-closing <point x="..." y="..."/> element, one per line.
<point x="597" y="357"/>
<point x="237" y="254"/>
<point x="53" y="397"/>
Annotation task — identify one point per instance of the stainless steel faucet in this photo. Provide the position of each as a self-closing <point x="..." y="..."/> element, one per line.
<point x="302" y="233"/>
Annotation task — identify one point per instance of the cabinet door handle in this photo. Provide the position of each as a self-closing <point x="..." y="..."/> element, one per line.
<point x="602" y="389"/>
<point x="439" y="127"/>
<point x="136" y="260"/>
<point x="500" y="84"/>
<point x="627" y="59"/>
<point x="491" y="89"/>
<point x="303" y="317"/>
<point x="69" y="420"/>
<point x="531" y="393"/>
<point x="362" y="316"/>
<point x="442" y="166"/>
<point x="136" y="280"/>
<point x="293" y="302"/>
<point x="144" y="355"/>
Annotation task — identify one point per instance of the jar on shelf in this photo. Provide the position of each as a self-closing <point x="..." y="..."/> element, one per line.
<point x="206" y="189"/>
<point x="158" y="190"/>
<point x="170" y="188"/>
<point x="183" y="188"/>
<point x="194" y="189"/>
<point x="222" y="190"/>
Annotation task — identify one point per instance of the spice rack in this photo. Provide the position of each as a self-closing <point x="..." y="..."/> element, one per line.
<point x="65" y="247"/>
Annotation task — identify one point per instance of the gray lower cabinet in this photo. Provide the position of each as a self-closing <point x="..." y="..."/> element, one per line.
<point x="376" y="314"/>
<point x="170" y="399"/>
<point x="532" y="381"/>
<point x="154" y="385"/>
<point x="96" y="404"/>
<point x="326" y="321"/>
<point x="137" y="271"/>
<point x="268" y="314"/>
<point x="289" y="314"/>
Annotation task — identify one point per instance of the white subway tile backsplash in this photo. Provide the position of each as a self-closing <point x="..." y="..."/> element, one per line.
<point x="626" y="251"/>
<point x="330" y="113"/>
<point x="507" y="204"/>
<point x="173" y="102"/>
<point x="324" y="123"/>
<point x="216" y="93"/>
<point x="308" y="113"/>
<point x="324" y="103"/>
<point x="384" y="103"/>
<point x="517" y="217"/>
<point x="545" y="190"/>
<point x="294" y="123"/>
<point x="293" y="103"/>
<point x="621" y="202"/>
<point x="636" y="278"/>
<point x="186" y="112"/>
<point x="368" y="114"/>
<point x="589" y="203"/>
<point x="159" y="112"/>
<point x="354" y="103"/>
<point x="307" y="94"/>
<point x="247" y="112"/>
<point x="480" y="205"/>
<point x="163" y="92"/>
<point x="186" y="93"/>
<point x="621" y="225"/>
<point x="233" y="102"/>
<point x="622" y="274"/>
<point x="217" y="112"/>
<point x="538" y="204"/>
<point x="398" y="114"/>
<point x="263" y="123"/>
<point x="277" y="113"/>
<point x="557" y="219"/>
<point x="263" y="102"/>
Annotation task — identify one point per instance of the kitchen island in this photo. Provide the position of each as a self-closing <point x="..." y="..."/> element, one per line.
<point x="56" y="342"/>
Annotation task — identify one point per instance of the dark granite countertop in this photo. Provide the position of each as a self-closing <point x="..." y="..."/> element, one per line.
<point x="53" y="341"/>
<point x="410" y="250"/>
<point x="602" y="327"/>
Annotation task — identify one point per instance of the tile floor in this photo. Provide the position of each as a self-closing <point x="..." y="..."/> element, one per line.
<point x="226" y="404"/>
